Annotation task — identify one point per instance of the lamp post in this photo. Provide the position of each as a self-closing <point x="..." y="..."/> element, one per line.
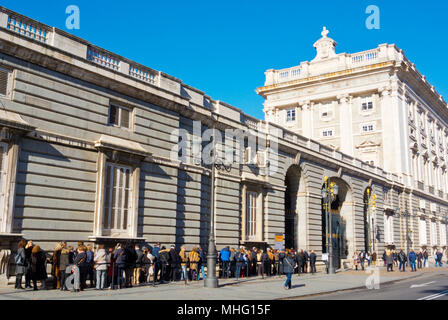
<point x="329" y="193"/>
<point x="211" y="281"/>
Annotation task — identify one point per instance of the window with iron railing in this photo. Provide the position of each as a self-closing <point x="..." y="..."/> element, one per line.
<point x="251" y="215"/>
<point x="117" y="197"/>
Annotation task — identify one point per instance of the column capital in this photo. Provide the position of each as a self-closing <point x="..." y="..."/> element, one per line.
<point x="305" y="104"/>
<point x="343" y="98"/>
<point x="385" y="91"/>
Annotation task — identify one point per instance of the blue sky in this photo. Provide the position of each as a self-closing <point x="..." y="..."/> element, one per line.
<point x="224" y="47"/>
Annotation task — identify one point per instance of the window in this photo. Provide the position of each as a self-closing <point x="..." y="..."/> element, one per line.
<point x="368" y="128"/>
<point x="434" y="233"/>
<point x="4" y="79"/>
<point x="3" y="169"/>
<point x="366" y="104"/>
<point x="443" y="234"/>
<point x="290" y="115"/>
<point x="117" y="198"/>
<point x="388" y="228"/>
<point x="371" y="162"/>
<point x="422" y="231"/>
<point x="326" y="111"/>
<point x="120" y="116"/>
<point x="251" y="215"/>
<point x="327" y="133"/>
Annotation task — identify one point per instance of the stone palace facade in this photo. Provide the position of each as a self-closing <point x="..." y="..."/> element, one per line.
<point x="87" y="140"/>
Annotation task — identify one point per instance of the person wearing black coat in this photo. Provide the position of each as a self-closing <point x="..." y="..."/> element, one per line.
<point x="28" y="249"/>
<point x="21" y="266"/>
<point x="305" y="262"/>
<point x="80" y="267"/>
<point x="402" y="259"/>
<point x="313" y="258"/>
<point x="299" y="261"/>
<point x="131" y="259"/>
<point x="174" y="263"/>
<point x="38" y="267"/>
<point x="120" y="258"/>
<point x="253" y="255"/>
<point x="164" y="258"/>
<point x="138" y="266"/>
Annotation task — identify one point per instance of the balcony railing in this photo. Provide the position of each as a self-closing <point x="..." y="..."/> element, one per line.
<point x="28" y="28"/>
<point x="103" y="58"/>
<point x="143" y="73"/>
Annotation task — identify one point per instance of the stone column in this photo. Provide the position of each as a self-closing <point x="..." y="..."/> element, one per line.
<point x="346" y="128"/>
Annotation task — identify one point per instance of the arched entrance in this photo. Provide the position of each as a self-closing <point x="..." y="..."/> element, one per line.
<point x="295" y="209"/>
<point x="341" y="215"/>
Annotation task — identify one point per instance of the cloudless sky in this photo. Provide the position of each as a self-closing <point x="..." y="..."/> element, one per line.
<point x="224" y="47"/>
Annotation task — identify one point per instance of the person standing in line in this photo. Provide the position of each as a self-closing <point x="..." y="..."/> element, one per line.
<point x="38" y="269"/>
<point x="101" y="260"/>
<point x="419" y="259"/>
<point x="260" y="263"/>
<point x="232" y="263"/>
<point x="64" y="262"/>
<point x="306" y="258"/>
<point x="174" y="263"/>
<point x="402" y="259"/>
<point x="28" y="250"/>
<point x="299" y="261"/>
<point x="120" y="261"/>
<point x="374" y="256"/>
<point x="20" y="264"/>
<point x="55" y="266"/>
<point x="288" y="267"/>
<point x="155" y="252"/>
<point x="202" y="263"/>
<point x="254" y="261"/>
<point x="183" y="263"/>
<point x="193" y="257"/>
<point x="440" y="257"/>
<point x="138" y="266"/>
<point x="270" y="262"/>
<point x="425" y="259"/>
<point x="239" y="260"/>
<point x="412" y="257"/>
<point x="313" y="258"/>
<point x="150" y="266"/>
<point x="225" y="258"/>
<point x="395" y="257"/>
<point x="90" y="272"/>
<point x="164" y="258"/>
<point x="277" y="262"/>
<point x="389" y="259"/>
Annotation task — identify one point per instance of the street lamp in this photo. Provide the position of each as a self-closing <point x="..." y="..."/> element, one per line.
<point x="329" y="193"/>
<point x="211" y="281"/>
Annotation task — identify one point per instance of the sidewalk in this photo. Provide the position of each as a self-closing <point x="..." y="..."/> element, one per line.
<point x="246" y="289"/>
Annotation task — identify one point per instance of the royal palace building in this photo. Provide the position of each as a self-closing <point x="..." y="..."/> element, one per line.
<point x="97" y="148"/>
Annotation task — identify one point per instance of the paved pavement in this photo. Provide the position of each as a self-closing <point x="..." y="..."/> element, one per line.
<point x="432" y="285"/>
<point x="246" y="289"/>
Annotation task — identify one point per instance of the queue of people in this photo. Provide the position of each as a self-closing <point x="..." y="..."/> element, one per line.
<point x="126" y="265"/>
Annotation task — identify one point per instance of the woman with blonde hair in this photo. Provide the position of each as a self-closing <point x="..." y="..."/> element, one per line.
<point x="55" y="260"/>
<point x="193" y="257"/>
<point x="183" y="263"/>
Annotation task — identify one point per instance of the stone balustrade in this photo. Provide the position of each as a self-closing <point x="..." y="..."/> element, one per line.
<point x="103" y="58"/>
<point x="27" y="27"/>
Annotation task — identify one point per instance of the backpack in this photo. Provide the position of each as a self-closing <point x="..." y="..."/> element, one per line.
<point x="18" y="259"/>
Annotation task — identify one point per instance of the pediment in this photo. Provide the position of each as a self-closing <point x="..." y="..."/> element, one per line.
<point x="368" y="144"/>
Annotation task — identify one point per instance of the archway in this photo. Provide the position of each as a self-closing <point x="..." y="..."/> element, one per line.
<point x="295" y="209"/>
<point x="341" y="214"/>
